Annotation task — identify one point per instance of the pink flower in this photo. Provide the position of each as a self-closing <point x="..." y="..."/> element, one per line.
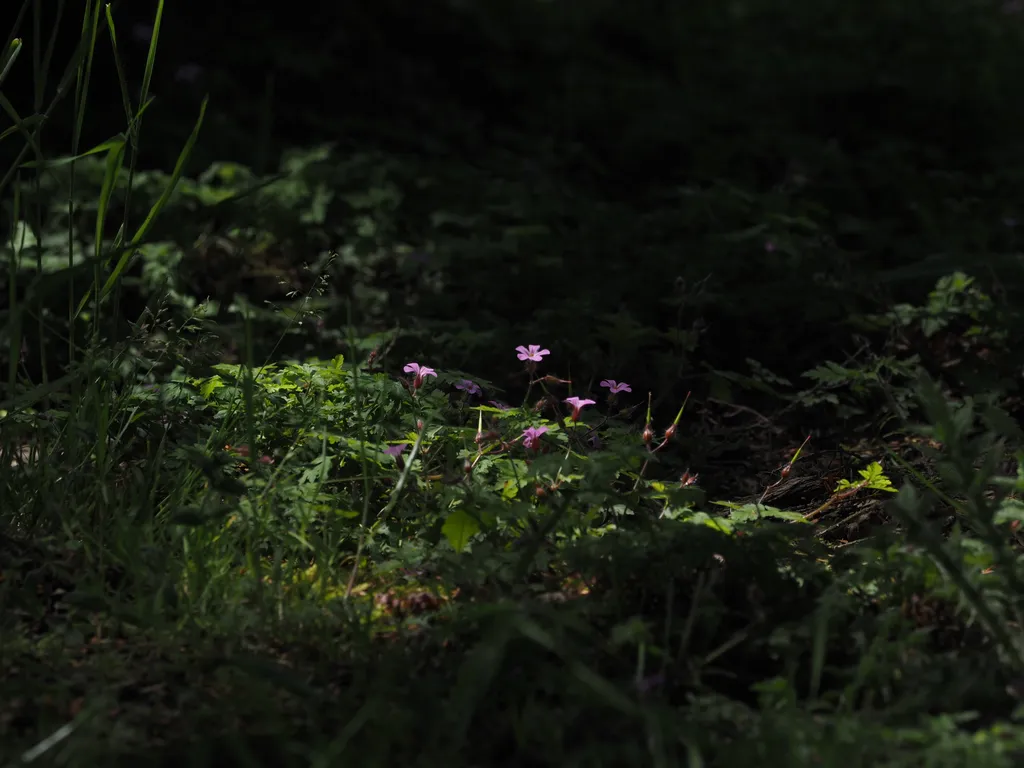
<point x="577" y="405"/>
<point x="395" y="452"/>
<point x="531" y="436"/>
<point x="420" y="371"/>
<point x="469" y="387"/>
<point x="616" y="386"/>
<point x="533" y="353"/>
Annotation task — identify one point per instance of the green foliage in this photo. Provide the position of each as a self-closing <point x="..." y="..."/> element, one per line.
<point x="240" y="523"/>
<point x="872" y="478"/>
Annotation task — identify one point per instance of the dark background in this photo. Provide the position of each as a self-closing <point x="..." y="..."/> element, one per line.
<point x="656" y="192"/>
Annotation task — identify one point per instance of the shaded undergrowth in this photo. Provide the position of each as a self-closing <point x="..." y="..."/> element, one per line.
<point x="261" y="508"/>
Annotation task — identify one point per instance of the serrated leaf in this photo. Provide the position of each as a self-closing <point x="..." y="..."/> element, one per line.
<point x="210" y="386"/>
<point x="317" y="471"/>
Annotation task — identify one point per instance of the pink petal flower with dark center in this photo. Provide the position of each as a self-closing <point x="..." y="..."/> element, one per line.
<point x="395" y="452"/>
<point x="469" y="387"/>
<point x="616" y="386"/>
<point x="420" y="371"/>
<point x="532" y="353"/>
<point x="577" y="404"/>
<point x="531" y="436"/>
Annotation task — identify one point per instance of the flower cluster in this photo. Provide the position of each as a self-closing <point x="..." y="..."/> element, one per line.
<point x="531" y="355"/>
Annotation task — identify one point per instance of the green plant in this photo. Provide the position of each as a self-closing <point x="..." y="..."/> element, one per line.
<point x="234" y="530"/>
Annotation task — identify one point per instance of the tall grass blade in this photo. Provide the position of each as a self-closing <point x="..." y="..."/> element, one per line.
<point x="9" y="56"/>
<point x="143" y="230"/>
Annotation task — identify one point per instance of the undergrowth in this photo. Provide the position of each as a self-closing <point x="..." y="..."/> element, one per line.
<point x="220" y="544"/>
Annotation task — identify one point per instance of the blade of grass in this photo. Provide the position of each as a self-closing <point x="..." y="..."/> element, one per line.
<point x="34" y="395"/>
<point x="147" y="74"/>
<point x="12" y="37"/>
<point x="8" y="58"/>
<point x="134" y="121"/>
<point x="39" y="77"/>
<point x="20" y="126"/>
<point x="51" y="48"/>
<point x="59" y="162"/>
<point x="112" y="170"/>
<point x="32" y="122"/>
<point x="62" y="88"/>
<point x="179" y="168"/>
<point x="90" y="23"/>
<point x="154" y="211"/>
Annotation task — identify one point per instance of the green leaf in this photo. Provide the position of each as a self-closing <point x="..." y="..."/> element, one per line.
<point x="317" y="471"/>
<point x="210" y="386"/>
<point x="1009" y="510"/>
<point x="782" y="514"/>
<point x="873" y="477"/>
<point x="459" y="528"/>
